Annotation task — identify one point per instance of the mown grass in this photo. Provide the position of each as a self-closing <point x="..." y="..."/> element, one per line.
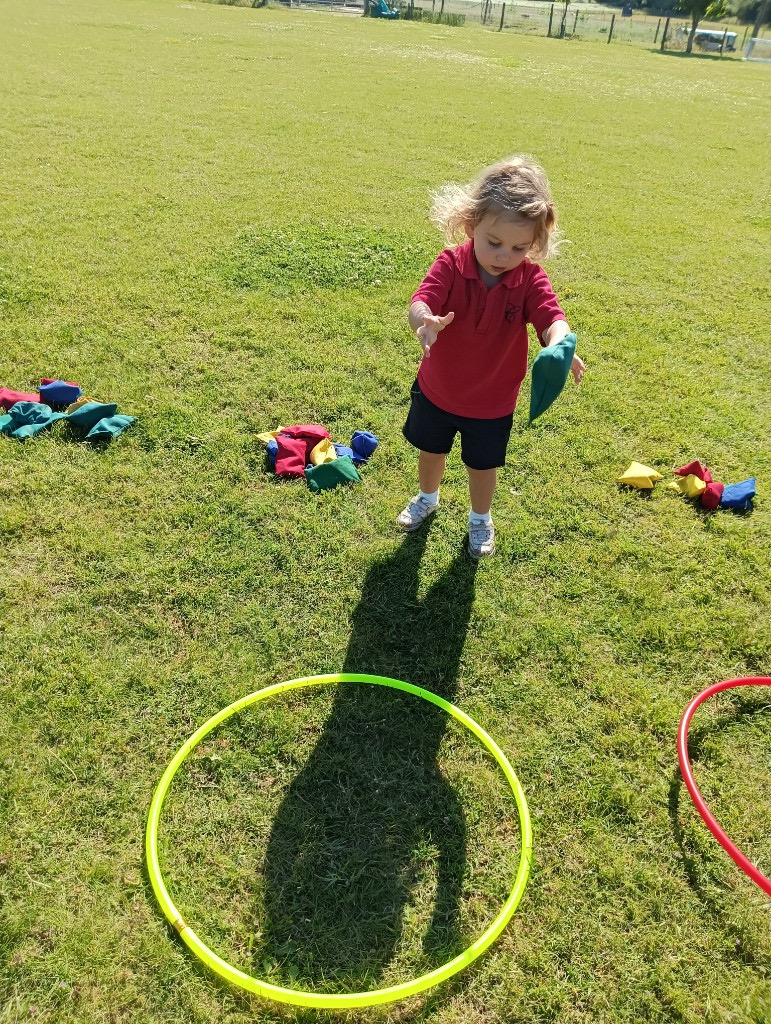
<point x="215" y="217"/>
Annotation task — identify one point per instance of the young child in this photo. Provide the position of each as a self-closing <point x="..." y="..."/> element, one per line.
<point x="470" y="315"/>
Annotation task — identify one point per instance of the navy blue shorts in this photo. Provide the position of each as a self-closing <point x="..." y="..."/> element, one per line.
<point x="483" y="443"/>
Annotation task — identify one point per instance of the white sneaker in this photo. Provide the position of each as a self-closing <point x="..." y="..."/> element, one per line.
<point x="416" y="513"/>
<point x="481" y="538"/>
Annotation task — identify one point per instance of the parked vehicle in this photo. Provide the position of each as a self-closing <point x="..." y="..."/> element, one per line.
<point x="709" y="38"/>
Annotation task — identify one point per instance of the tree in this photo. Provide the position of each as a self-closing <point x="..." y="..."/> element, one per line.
<point x="699" y="9"/>
<point x="762" y="15"/>
<point x="564" y="19"/>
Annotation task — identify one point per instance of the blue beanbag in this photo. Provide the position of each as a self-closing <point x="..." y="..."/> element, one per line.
<point x="363" y="444"/>
<point x="739" y="496"/>
<point x="59" y="392"/>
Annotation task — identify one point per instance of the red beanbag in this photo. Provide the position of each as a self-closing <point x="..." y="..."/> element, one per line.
<point x="695" y="468"/>
<point x="9" y="398"/>
<point x="711" y="497"/>
<point x="290" y="457"/>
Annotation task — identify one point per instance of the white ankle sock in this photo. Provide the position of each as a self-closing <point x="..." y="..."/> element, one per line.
<point x="430" y="499"/>
<point x="476" y="517"/>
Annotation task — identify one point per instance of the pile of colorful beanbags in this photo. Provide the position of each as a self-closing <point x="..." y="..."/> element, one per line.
<point x="306" y="450"/>
<point x="694" y="481"/>
<point x="29" y="414"/>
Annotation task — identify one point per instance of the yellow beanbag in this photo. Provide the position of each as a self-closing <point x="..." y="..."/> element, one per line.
<point x="691" y="486"/>
<point x="642" y="477"/>
<point x="323" y="452"/>
<point x="74" y="406"/>
<point x="269" y="435"/>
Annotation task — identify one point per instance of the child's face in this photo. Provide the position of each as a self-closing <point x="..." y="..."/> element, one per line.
<point x="500" y="245"/>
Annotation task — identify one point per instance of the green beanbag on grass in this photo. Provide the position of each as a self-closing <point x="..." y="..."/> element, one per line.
<point x="109" y="427"/>
<point x="26" y="419"/>
<point x="89" y="414"/>
<point x="550" y="371"/>
<point x="331" y="474"/>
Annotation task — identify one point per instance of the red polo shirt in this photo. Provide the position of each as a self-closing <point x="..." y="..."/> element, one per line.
<point x="480" y="359"/>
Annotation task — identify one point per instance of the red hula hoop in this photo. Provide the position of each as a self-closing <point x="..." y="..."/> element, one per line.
<point x="685" y="767"/>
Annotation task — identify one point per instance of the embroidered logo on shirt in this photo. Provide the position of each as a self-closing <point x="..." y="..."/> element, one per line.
<point x="511" y="313"/>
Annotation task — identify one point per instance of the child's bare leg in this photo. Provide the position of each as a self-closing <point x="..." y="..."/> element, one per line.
<point x="419" y="508"/>
<point x="481" y="532"/>
<point x="481" y="485"/>
<point x="430" y="471"/>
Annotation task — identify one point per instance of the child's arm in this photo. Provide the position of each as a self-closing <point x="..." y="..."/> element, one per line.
<point x="556" y="332"/>
<point x="543" y="311"/>
<point x="426" y="325"/>
<point x="433" y="293"/>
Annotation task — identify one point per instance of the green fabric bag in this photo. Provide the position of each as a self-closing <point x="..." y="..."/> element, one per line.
<point x="109" y="427"/>
<point x="88" y="415"/>
<point x="331" y="474"/>
<point x="26" y="419"/>
<point x="550" y="371"/>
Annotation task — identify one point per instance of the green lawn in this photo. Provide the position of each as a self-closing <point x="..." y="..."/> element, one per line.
<point x="215" y="217"/>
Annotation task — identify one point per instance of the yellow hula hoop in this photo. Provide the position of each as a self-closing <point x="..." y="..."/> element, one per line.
<point x="322" y="1000"/>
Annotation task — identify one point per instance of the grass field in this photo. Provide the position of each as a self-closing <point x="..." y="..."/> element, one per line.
<point x="215" y="217"/>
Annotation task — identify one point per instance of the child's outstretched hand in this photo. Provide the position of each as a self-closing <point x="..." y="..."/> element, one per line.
<point x="430" y="328"/>
<point x="577" y="368"/>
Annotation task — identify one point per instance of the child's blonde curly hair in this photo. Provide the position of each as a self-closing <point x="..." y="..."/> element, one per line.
<point x="515" y="189"/>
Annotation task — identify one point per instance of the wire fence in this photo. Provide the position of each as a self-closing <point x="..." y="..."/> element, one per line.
<point x="558" y="20"/>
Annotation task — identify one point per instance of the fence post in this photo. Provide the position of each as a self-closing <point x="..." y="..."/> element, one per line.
<point x="503" y="11"/>
<point x="612" y="23"/>
<point x="551" y="15"/>
<point x="664" y="34"/>
<point x="655" y="38"/>
<point x="575" y="23"/>
<point x="722" y="41"/>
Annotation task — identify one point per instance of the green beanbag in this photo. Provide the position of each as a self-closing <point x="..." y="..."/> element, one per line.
<point x="26" y="419"/>
<point x="109" y="427"/>
<point x="89" y="414"/>
<point x="331" y="474"/>
<point x="550" y="371"/>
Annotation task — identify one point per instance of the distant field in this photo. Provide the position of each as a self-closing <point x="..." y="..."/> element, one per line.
<point x="215" y="217"/>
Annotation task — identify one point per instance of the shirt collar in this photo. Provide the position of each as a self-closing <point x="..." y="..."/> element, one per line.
<point x="466" y="263"/>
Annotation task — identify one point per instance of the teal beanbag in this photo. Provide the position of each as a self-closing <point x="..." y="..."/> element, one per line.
<point x="109" y="427"/>
<point x="25" y="419"/>
<point x="550" y="371"/>
<point x="88" y="415"/>
<point x="331" y="474"/>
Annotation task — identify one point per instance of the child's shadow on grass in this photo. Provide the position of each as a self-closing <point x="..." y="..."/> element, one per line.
<point x="370" y="814"/>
